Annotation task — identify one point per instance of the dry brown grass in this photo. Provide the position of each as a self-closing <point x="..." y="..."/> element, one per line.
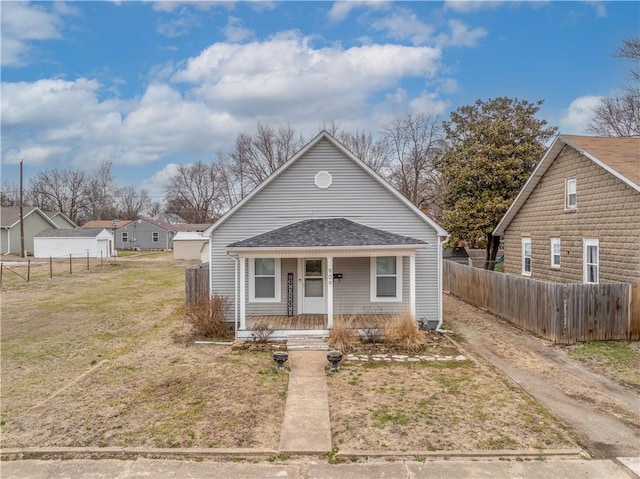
<point x="207" y="317"/>
<point x="404" y="333"/>
<point x="342" y="335"/>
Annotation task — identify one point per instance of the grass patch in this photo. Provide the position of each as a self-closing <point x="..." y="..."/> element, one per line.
<point x="618" y="360"/>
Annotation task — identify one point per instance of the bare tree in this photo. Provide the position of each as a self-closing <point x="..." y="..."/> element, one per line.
<point x="9" y="194"/>
<point x="100" y="201"/>
<point x="619" y="115"/>
<point x="415" y="141"/>
<point x="376" y="154"/>
<point x="63" y="190"/>
<point x="131" y="203"/>
<point x="154" y="208"/>
<point x="255" y="156"/>
<point x="194" y="193"/>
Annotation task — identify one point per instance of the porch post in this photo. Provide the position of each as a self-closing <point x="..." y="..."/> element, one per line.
<point x="243" y="292"/>
<point x="329" y="291"/>
<point x="412" y="284"/>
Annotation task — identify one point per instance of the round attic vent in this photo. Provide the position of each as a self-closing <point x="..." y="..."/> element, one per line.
<point x="323" y="180"/>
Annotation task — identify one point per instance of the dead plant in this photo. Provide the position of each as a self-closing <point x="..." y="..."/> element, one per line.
<point x="261" y="331"/>
<point x="207" y="317"/>
<point x="342" y="336"/>
<point x="404" y="332"/>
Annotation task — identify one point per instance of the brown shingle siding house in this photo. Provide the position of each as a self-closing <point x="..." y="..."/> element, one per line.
<point x="577" y="219"/>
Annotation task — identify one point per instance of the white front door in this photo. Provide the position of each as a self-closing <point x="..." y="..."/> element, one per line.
<point x="313" y="286"/>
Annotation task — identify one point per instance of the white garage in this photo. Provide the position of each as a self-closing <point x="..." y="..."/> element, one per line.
<point x="189" y="245"/>
<point x="56" y="243"/>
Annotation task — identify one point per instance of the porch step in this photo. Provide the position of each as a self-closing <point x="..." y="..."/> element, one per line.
<point x="307" y="344"/>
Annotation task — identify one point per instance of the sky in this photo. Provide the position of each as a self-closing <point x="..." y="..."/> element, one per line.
<point x="151" y="85"/>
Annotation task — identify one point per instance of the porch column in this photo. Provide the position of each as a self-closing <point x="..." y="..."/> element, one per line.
<point x="412" y="284"/>
<point x="329" y="291"/>
<point x="243" y="292"/>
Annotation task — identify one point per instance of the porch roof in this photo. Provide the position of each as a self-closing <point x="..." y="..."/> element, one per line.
<point x="326" y="233"/>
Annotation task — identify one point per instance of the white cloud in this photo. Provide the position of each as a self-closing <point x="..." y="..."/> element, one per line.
<point x="576" y="118"/>
<point x="405" y="25"/>
<point x="461" y="35"/>
<point x="465" y="6"/>
<point x="235" y="31"/>
<point x="599" y="7"/>
<point x="22" y="24"/>
<point x="340" y="10"/>
<point x="170" y="6"/>
<point x="160" y="180"/>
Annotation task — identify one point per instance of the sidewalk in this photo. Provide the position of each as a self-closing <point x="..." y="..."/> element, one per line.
<point x="306" y="428"/>
<point x="158" y="469"/>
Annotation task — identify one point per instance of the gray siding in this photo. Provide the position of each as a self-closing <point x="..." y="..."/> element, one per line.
<point x="354" y="195"/>
<point x="141" y="236"/>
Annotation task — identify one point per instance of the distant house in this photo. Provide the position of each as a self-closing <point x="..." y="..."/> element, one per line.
<point x="457" y="254"/>
<point x="192" y="227"/>
<point x="35" y="221"/>
<point x="79" y="242"/>
<point x="172" y="218"/>
<point x="61" y="220"/>
<point x="189" y="245"/>
<point x="145" y="234"/>
<point x="324" y="236"/>
<point x="106" y="224"/>
<point x="577" y="219"/>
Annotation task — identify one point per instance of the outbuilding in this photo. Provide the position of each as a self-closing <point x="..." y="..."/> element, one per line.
<point x="56" y="243"/>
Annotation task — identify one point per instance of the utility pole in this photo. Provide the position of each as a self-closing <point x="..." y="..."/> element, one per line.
<point x="22" y="252"/>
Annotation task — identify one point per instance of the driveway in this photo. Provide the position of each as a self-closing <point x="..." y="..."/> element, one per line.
<point x="604" y="414"/>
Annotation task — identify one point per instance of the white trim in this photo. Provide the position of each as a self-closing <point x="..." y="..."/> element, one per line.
<point x="335" y="251"/>
<point x="586" y="242"/>
<point x="325" y="135"/>
<point x="412" y="285"/>
<point x="527" y="241"/>
<point x="373" y="281"/>
<point x="276" y="278"/>
<point x="552" y="243"/>
<point x="329" y="291"/>
<point x="243" y="293"/>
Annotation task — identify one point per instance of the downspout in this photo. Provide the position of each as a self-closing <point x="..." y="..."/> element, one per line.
<point x="443" y="240"/>
<point x="236" y="259"/>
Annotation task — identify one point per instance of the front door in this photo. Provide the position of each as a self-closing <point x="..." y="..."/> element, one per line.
<point x="313" y="286"/>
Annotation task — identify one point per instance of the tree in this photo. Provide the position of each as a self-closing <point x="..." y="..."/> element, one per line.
<point x="194" y="193"/>
<point x="9" y="194"/>
<point x="130" y="203"/>
<point x="415" y="141"/>
<point x="374" y="153"/>
<point x="492" y="149"/>
<point x="100" y="200"/>
<point x="255" y="156"/>
<point x="63" y="190"/>
<point x="619" y="115"/>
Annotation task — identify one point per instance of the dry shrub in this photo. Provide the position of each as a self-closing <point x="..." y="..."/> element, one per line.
<point x="261" y="331"/>
<point x="404" y="332"/>
<point x="342" y="336"/>
<point x="207" y="317"/>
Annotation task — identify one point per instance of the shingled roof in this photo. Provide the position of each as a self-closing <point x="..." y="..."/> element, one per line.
<point x="66" y="233"/>
<point x="334" y="232"/>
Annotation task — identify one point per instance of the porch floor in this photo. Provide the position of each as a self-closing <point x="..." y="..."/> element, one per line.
<point x="318" y="321"/>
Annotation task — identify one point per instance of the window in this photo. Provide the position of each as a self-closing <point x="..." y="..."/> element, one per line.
<point x="591" y="260"/>
<point x="264" y="280"/>
<point x="124" y="236"/>
<point x="555" y="253"/>
<point x="571" y="196"/>
<point x="526" y="256"/>
<point x="386" y="278"/>
<point x="155" y="237"/>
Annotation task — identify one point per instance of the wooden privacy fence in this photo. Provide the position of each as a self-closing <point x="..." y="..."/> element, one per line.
<point x="563" y="313"/>
<point x="196" y="282"/>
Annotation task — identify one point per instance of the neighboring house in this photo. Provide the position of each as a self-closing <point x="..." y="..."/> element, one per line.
<point x="193" y="227"/>
<point x="145" y="233"/>
<point x="577" y="219"/>
<point x="189" y="245"/>
<point x="457" y="254"/>
<point x="169" y="218"/>
<point x="323" y="236"/>
<point x="61" y="220"/>
<point x="57" y="243"/>
<point x="35" y="221"/>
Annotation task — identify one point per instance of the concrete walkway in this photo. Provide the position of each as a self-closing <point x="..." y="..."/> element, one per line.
<point x="306" y="428"/>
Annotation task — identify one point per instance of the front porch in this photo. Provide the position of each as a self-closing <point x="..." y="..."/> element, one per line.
<point x="310" y="324"/>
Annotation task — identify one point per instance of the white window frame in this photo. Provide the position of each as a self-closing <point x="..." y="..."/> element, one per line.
<point x="252" y="282"/>
<point x="526" y="241"/>
<point x="555" y="242"/>
<point x="124" y="236"/>
<point x="567" y="194"/>
<point x="155" y="237"/>
<point x="586" y="242"/>
<point x="374" y="284"/>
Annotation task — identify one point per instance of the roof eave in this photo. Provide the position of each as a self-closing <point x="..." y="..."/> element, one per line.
<point x="256" y="249"/>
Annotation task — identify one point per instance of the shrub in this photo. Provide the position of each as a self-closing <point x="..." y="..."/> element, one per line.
<point x="404" y="332"/>
<point x="207" y="317"/>
<point x="261" y="331"/>
<point x="342" y="336"/>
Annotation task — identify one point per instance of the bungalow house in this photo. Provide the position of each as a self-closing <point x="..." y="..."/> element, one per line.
<point x="61" y="220"/>
<point x="34" y="220"/>
<point x="577" y="219"/>
<point x="325" y="237"/>
<point x="145" y="233"/>
<point x="78" y="242"/>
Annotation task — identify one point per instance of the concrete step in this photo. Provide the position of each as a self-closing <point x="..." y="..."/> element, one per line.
<point x="307" y="344"/>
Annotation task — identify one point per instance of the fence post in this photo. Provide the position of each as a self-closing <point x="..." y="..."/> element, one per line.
<point x="1" y="267"/>
<point x="28" y="270"/>
<point x="87" y="260"/>
<point x="50" y="267"/>
<point x="70" y="265"/>
<point x="101" y="259"/>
